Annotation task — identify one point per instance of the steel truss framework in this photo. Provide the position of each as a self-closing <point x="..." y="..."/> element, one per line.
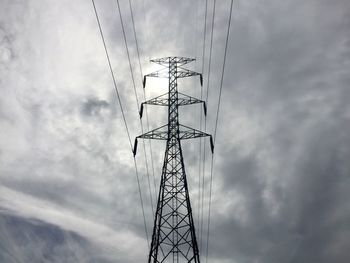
<point x="173" y="238"/>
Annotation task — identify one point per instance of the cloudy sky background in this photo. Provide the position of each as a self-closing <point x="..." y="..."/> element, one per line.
<point x="282" y="172"/>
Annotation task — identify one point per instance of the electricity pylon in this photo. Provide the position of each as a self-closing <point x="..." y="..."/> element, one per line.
<point x="174" y="237"/>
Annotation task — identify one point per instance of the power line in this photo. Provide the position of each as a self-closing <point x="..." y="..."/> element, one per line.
<point x="216" y="124"/>
<point x="223" y="70"/>
<point x="136" y="42"/>
<point x="200" y="203"/>
<point x="147" y="30"/>
<point x="144" y="93"/>
<point x="123" y="115"/>
<point x="206" y="100"/>
<point x="127" y="52"/>
<point x="137" y="101"/>
<point x="196" y="50"/>
<point x="204" y="34"/>
<point x="211" y="49"/>
<point x="196" y="30"/>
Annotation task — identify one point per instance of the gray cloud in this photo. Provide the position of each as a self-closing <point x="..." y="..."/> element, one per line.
<point x="25" y="240"/>
<point x="93" y="107"/>
<point x="286" y="175"/>
<point x="282" y="175"/>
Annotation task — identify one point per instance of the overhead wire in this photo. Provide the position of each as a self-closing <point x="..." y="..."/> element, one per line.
<point x="144" y="93"/>
<point x="146" y="29"/>
<point x="195" y="29"/>
<point x="124" y="119"/>
<point x="216" y="125"/>
<point x="196" y="49"/>
<point x="137" y="102"/>
<point x="206" y="101"/>
<point x="200" y="193"/>
<point x="200" y="109"/>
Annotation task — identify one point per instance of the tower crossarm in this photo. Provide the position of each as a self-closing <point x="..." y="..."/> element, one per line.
<point x="184" y="100"/>
<point x="162" y="73"/>
<point x="178" y="60"/>
<point x="184" y="73"/>
<point x="160" y="133"/>
<point x="190" y="133"/>
<point x="163" y="100"/>
<point x="185" y="133"/>
<point x="180" y="73"/>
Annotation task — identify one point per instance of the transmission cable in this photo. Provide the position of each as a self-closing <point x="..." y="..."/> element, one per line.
<point x="206" y="100"/>
<point x="200" y="204"/>
<point x="146" y="29"/>
<point x="216" y="124"/>
<point x="137" y="102"/>
<point x="195" y="31"/>
<point x="123" y="115"/>
<point x="144" y="94"/>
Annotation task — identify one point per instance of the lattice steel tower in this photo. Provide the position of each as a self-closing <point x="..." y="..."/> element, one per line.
<point x="174" y="237"/>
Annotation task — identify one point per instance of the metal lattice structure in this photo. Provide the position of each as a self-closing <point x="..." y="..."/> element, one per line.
<point x="174" y="237"/>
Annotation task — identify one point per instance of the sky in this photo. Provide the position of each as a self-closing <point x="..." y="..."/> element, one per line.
<point x="68" y="190"/>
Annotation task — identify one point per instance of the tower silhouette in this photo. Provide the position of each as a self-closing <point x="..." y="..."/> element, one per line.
<point x="174" y="237"/>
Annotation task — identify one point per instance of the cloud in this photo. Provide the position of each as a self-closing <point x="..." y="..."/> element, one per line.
<point x="285" y="170"/>
<point x="93" y="107"/>
<point x="30" y="240"/>
<point x="281" y="170"/>
<point x="27" y="207"/>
